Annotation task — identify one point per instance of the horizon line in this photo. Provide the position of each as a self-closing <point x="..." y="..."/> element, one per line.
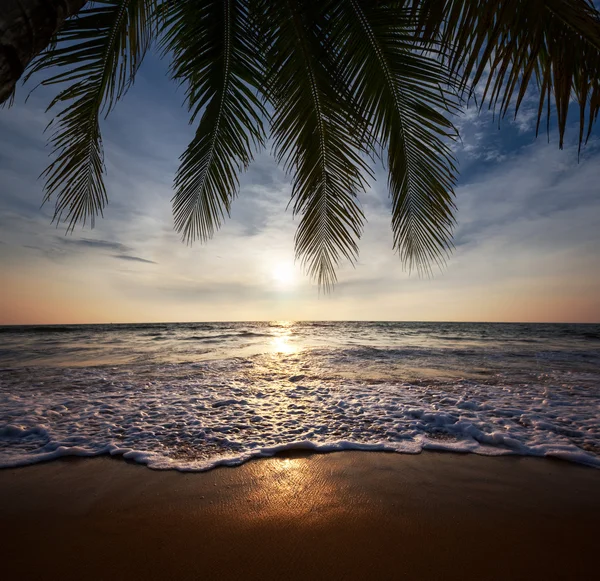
<point x="249" y="321"/>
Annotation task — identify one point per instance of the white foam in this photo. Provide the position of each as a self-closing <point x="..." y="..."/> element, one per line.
<point x="196" y="417"/>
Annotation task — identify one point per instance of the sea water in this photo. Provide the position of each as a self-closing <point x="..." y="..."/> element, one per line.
<point x="192" y="396"/>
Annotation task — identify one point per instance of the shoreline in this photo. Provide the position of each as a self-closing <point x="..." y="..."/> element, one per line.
<point x="148" y="460"/>
<point x="295" y="449"/>
<point x="302" y="515"/>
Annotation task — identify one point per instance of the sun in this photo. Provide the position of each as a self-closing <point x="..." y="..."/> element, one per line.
<point x="283" y="275"/>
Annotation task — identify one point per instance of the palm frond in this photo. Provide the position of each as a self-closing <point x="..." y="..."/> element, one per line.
<point x="214" y="55"/>
<point x="555" y="42"/>
<point x="97" y="55"/>
<point x="406" y="93"/>
<point x="316" y="136"/>
<point x="10" y="100"/>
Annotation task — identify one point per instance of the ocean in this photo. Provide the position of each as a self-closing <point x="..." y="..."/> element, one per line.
<point x="192" y="396"/>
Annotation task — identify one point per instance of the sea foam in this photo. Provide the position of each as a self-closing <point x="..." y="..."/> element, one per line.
<point x="197" y="415"/>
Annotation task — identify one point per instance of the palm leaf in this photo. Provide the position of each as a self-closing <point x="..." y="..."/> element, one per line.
<point x="402" y="87"/>
<point x="345" y="79"/>
<point x="97" y="55"/>
<point x="555" y="42"/>
<point x="214" y="54"/>
<point x="316" y="135"/>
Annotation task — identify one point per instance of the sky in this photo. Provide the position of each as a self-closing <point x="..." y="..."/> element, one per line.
<point x="527" y="239"/>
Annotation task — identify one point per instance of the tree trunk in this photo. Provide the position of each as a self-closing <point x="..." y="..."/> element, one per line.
<point x="26" y="27"/>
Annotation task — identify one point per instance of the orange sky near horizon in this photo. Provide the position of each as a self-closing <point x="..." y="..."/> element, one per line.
<point x="28" y="301"/>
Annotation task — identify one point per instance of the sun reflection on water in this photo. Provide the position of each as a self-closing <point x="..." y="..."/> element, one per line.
<point x="285" y="324"/>
<point x="282" y="345"/>
<point x="281" y="342"/>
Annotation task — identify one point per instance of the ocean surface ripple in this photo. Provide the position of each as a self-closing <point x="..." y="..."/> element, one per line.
<point x="198" y="395"/>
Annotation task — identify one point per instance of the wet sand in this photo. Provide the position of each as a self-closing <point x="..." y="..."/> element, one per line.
<point x="348" y="515"/>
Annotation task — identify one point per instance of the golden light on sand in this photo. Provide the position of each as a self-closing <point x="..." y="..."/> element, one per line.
<point x="281" y="497"/>
<point x="284" y="275"/>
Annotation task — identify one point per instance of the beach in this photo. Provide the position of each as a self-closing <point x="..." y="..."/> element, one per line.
<point x="345" y="515"/>
<point x="308" y="450"/>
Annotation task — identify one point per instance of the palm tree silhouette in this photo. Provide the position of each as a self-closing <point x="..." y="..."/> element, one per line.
<point x="333" y="83"/>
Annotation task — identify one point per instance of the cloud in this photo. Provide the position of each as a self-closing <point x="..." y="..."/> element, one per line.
<point x="92" y="243"/>
<point x="133" y="258"/>
<point x="538" y="182"/>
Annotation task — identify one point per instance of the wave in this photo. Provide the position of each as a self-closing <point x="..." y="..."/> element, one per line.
<point x="159" y="461"/>
<point x="223" y="336"/>
<point x="225" y="411"/>
<point x="53" y="329"/>
<point x="591" y="336"/>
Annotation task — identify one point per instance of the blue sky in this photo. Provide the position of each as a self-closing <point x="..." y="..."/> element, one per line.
<point x="527" y="240"/>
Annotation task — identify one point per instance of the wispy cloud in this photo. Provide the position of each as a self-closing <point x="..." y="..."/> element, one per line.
<point x="133" y="258"/>
<point x="92" y="243"/>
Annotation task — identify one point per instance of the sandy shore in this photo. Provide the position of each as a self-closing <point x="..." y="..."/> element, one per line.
<point x="349" y="515"/>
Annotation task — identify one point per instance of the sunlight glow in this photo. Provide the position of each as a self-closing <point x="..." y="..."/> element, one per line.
<point x="277" y="498"/>
<point x="284" y="275"/>
<point x="282" y="345"/>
